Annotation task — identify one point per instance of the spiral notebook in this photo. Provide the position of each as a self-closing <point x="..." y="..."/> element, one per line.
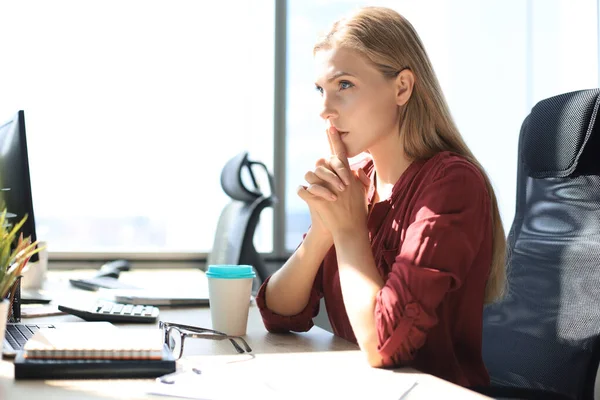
<point x="101" y="344"/>
<point x="49" y="368"/>
<point x="106" y="353"/>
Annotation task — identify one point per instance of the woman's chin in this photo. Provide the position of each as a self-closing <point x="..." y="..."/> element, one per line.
<point x="355" y="153"/>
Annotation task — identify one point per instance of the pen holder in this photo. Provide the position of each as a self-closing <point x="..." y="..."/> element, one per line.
<point x="14" y="297"/>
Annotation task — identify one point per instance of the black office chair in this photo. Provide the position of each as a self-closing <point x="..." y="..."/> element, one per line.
<point x="234" y="237"/>
<point x="542" y="340"/>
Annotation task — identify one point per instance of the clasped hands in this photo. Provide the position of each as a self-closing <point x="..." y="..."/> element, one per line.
<point x="336" y="195"/>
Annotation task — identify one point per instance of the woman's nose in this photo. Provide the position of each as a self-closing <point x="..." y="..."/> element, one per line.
<point x="328" y="110"/>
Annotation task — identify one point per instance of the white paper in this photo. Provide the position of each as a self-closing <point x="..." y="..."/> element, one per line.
<point x="221" y="385"/>
<point x="215" y="385"/>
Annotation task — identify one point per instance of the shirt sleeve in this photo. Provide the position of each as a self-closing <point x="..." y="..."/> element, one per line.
<point x="300" y="322"/>
<point x="440" y="245"/>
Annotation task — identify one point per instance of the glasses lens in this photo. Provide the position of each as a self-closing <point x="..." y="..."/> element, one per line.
<point x="174" y="341"/>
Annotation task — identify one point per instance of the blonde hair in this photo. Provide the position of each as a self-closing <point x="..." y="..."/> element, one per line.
<point x="391" y="43"/>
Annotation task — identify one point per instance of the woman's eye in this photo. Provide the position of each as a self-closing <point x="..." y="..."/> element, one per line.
<point x="345" y="85"/>
<point x="319" y="89"/>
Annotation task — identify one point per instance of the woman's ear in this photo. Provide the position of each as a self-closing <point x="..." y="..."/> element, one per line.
<point x="405" y="82"/>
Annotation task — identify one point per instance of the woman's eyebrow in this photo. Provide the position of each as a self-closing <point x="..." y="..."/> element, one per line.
<point x="339" y="74"/>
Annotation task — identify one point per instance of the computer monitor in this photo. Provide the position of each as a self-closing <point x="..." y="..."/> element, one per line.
<point x="15" y="181"/>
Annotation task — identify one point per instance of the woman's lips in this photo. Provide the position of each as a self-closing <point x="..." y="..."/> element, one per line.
<point x="339" y="131"/>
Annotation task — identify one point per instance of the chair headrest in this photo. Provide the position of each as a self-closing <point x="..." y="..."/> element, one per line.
<point x="231" y="179"/>
<point x="556" y="132"/>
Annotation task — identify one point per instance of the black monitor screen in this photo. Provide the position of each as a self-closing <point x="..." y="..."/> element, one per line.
<point x="15" y="182"/>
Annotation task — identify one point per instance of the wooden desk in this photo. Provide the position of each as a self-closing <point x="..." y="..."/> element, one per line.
<point x="312" y="365"/>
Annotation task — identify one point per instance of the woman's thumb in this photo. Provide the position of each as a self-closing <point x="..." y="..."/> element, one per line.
<point x="363" y="178"/>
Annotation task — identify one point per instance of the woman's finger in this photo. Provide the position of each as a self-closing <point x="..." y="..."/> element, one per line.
<point x="329" y="177"/>
<point x="322" y="192"/>
<point x="340" y="168"/>
<point x="324" y="175"/>
<point x="321" y="162"/>
<point x="311" y="177"/>
<point x="337" y="147"/>
<point x="314" y="179"/>
<point x="331" y="149"/>
<point x="303" y="193"/>
<point x="362" y="176"/>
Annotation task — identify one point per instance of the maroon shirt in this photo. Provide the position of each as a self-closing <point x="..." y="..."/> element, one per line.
<point x="432" y="244"/>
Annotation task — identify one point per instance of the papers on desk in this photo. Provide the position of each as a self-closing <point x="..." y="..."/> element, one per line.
<point x="358" y="384"/>
<point x="210" y="385"/>
<point x="222" y="384"/>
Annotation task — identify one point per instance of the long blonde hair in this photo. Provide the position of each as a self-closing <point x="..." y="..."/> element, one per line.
<point x="391" y="43"/>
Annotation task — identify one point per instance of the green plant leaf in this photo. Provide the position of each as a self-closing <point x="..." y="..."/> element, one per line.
<point x="12" y="262"/>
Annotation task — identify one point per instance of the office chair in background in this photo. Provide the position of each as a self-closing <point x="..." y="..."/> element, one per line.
<point x="542" y="340"/>
<point x="233" y="243"/>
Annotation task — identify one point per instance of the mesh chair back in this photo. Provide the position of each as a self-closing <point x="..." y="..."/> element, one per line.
<point x="545" y="333"/>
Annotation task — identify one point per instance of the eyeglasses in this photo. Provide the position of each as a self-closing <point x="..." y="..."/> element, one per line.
<point x="175" y="334"/>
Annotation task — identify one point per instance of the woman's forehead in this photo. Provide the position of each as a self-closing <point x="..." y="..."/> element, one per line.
<point x="330" y="63"/>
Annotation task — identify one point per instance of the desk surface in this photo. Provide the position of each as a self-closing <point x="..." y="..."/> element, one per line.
<point x="312" y="365"/>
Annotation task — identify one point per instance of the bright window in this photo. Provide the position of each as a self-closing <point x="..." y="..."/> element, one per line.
<point x="132" y="108"/>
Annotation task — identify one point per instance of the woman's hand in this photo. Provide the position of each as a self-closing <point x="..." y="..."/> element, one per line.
<point x="336" y="195"/>
<point x="314" y="181"/>
<point x="324" y="181"/>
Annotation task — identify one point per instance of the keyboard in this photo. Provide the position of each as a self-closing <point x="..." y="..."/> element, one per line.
<point x="17" y="334"/>
<point x="113" y="312"/>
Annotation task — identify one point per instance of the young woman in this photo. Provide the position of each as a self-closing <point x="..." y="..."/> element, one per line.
<point x="407" y="245"/>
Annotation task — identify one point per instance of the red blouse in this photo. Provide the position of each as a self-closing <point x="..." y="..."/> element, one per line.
<point x="432" y="244"/>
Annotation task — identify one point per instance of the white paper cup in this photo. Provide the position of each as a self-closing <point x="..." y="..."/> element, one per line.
<point x="229" y="290"/>
<point x="34" y="273"/>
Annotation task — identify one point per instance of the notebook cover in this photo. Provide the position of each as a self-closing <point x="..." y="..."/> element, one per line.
<point x="115" y="343"/>
<point x="92" y="369"/>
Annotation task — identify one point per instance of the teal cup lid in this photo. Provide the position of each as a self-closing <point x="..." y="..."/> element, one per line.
<point x="230" y="271"/>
